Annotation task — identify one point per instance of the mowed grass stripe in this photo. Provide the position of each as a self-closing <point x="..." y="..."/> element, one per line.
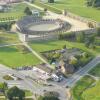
<point x="13" y="57"/>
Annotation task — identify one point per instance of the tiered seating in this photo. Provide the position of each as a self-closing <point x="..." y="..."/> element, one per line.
<point x="24" y="23"/>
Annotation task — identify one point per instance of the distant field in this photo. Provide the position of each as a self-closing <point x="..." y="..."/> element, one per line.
<point x="81" y="86"/>
<point x="51" y="45"/>
<point x="8" y="38"/>
<point x="92" y="93"/>
<point x="78" y="7"/>
<point x="16" y="11"/>
<point x="13" y="56"/>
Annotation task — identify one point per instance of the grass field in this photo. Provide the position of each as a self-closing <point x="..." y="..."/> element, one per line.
<point x="13" y="57"/>
<point x="28" y="93"/>
<point x="95" y="71"/>
<point x="17" y="11"/>
<point x="78" y="7"/>
<point x="81" y="86"/>
<point x="57" y="44"/>
<point x="8" y="38"/>
<point x="92" y="93"/>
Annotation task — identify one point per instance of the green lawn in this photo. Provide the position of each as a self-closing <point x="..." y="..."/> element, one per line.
<point x="12" y="56"/>
<point x="8" y="38"/>
<point x="95" y="71"/>
<point x="97" y="40"/>
<point x="78" y="7"/>
<point x="92" y="93"/>
<point x="57" y="44"/>
<point x="2" y="98"/>
<point x="17" y="11"/>
<point x="28" y="93"/>
<point x="81" y="86"/>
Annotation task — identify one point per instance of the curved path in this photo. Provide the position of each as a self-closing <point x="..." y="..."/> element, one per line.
<point x="76" y="24"/>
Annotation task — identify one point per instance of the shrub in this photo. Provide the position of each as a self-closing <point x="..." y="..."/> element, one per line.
<point x="6" y="26"/>
<point x="50" y="1"/>
<point x="91" y="25"/>
<point x="80" y="37"/>
<point x="27" y="11"/>
<point x="98" y="31"/>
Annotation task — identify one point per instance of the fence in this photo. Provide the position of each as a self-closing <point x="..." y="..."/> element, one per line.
<point x="82" y="19"/>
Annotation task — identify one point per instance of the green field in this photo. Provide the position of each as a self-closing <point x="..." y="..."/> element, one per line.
<point x="16" y="11"/>
<point x="78" y="7"/>
<point x="12" y="56"/>
<point x="92" y="93"/>
<point x="81" y="86"/>
<point x="57" y="44"/>
<point x="95" y="71"/>
<point x="8" y="38"/>
<point x="28" y="93"/>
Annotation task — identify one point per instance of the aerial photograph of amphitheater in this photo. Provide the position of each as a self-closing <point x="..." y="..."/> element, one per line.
<point x="49" y="49"/>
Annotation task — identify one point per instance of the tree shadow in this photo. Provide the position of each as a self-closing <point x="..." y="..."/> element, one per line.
<point x="8" y="49"/>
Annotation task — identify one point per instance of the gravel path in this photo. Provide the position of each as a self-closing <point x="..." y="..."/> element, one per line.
<point x="76" y="24"/>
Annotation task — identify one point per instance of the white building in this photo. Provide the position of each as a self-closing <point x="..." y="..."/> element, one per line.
<point x="10" y="1"/>
<point x="35" y="13"/>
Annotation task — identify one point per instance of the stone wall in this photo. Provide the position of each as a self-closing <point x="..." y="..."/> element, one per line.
<point x="55" y="36"/>
<point x="88" y="31"/>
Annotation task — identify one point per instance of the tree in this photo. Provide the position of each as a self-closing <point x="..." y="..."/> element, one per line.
<point x="27" y="11"/>
<point x="14" y="93"/>
<point x="98" y="31"/>
<point x="51" y="95"/>
<point x="50" y="1"/>
<point x="91" y="25"/>
<point x="5" y="87"/>
<point x="87" y="43"/>
<point x="45" y="9"/>
<point x="73" y="61"/>
<point x="64" y="46"/>
<point x="90" y="2"/>
<point x="94" y="3"/>
<point x="80" y="37"/>
<point x="48" y="98"/>
<point x="91" y="39"/>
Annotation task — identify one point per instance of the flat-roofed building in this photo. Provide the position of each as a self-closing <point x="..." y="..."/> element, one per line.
<point x="11" y="1"/>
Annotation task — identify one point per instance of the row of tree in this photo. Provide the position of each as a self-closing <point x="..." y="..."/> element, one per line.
<point x="15" y="93"/>
<point x="94" y="3"/>
<point x="12" y="93"/>
<point x="6" y="25"/>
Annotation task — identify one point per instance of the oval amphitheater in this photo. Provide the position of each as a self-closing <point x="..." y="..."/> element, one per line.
<point x="40" y="28"/>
